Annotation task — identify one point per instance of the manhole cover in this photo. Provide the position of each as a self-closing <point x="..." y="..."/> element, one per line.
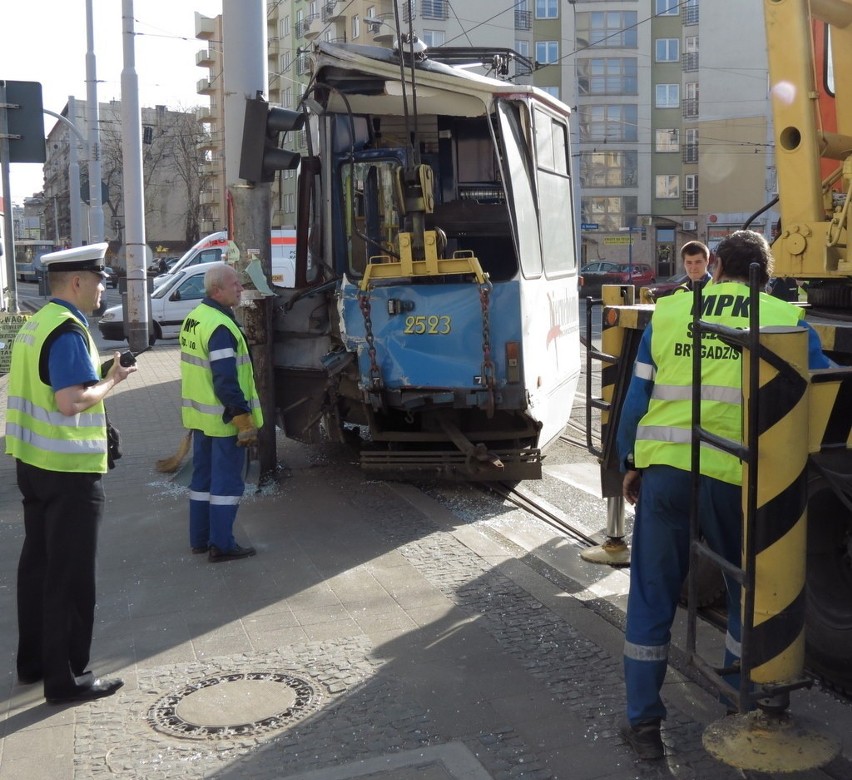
<point x="234" y="705"/>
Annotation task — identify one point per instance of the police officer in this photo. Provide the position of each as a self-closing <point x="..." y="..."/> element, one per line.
<point x="56" y="431"/>
<point x="654" y="444"/>
<point x="221" y="408"/>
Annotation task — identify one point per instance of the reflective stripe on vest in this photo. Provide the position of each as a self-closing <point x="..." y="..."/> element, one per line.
<point x="664" y="433"/>
<point x="200" y="408"/>
<point x="37" y="433"/>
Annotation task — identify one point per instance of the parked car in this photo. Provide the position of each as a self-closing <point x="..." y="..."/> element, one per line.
<point x="170" y="303"/>
<point x="602" y="272"/>
<point x="668" y="286"/>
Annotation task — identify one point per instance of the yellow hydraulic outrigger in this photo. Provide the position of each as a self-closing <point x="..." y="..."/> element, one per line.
<point x="815" y="218"/>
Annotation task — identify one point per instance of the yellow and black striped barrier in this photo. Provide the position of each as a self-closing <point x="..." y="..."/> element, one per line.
<point x="775" y="495"/>
<point x="777" y="538"/>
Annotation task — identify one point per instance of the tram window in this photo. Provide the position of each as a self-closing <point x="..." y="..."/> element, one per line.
<point x="370" y="210"/>
<point x="556" y="202"/>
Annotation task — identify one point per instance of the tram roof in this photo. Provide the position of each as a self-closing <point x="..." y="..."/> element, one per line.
<point x="369" y="77"/>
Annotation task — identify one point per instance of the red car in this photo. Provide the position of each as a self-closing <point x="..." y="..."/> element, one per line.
<point x="601" y="272"/>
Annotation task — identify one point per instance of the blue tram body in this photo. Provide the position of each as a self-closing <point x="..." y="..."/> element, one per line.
<point x="436" y="307"/>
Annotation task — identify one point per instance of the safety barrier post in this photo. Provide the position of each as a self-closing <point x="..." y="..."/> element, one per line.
<point x="775" y="465"/>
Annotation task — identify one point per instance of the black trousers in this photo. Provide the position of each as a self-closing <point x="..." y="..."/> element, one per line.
<point x="56" y="575"/>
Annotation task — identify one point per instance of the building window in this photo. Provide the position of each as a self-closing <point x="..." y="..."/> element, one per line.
<point x="523" y="48"/>
<point x="285" y="26"/>
<point x="690" y="53"/>
<point x="609" y="169"/>
<point x="668" y="186"/>
<point x="547" y="51"/>
<point x="607" y="123"/>
<point x="552" y="91"/>
<point x="356" y="26"/>
<point x="667" y="96"/>
<point x="666" y="7"/>
<point x="690" y="12"/>
<point x="611" y="212"/>
<point x="522" y="16"/>
<point x="690" y="102"/>
<point x="433" y="38"/>
<point x="546" y="9"/>
<point x="690" y="191"/>
<point x="667" y="49"/>
<point x="667" y="140"/>
<point x="607" y="76"/>
<point x="609" y="29"/>
<point x="432" y="9"/>
<point x="690" y="148"/>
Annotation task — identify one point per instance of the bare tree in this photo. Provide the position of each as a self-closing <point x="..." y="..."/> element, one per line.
<point x="171" y="171"/>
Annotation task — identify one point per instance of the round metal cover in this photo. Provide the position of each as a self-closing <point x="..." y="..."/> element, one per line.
<point x="234" y="705"/>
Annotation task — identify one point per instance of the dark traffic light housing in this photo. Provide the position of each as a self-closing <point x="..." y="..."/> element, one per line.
<point x="261" y="157"/>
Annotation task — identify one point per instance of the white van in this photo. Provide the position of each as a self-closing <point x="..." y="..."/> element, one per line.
<point x="214" y="247"/>
<point x="208" y="250"/>
<point x="170" y="303"/>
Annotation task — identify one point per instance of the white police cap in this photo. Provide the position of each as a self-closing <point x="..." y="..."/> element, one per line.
<point x="80" y="258"/>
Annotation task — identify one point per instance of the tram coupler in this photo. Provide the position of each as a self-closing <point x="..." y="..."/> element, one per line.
<point x="614" y="551"/>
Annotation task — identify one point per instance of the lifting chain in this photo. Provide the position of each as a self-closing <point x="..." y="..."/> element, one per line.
<point x="375" y="373"/>
<point x="487" y="363"/>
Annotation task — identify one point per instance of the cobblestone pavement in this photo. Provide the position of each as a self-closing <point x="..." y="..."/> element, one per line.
<point x="378" y="634"/>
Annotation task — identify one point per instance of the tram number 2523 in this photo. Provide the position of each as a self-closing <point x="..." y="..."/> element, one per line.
<point x="429" y="325"/>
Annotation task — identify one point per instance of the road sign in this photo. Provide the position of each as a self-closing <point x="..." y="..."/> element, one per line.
<point x="25" y="121"/>
<point x="589" y="226"/>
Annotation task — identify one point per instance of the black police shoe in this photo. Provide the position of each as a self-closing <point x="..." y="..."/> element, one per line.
<point x="645" y="739"/>
<point x="97" y="689"/>
<point x="235" y="553"/>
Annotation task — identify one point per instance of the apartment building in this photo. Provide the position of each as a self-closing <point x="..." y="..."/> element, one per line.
<point x="671" y="130"/>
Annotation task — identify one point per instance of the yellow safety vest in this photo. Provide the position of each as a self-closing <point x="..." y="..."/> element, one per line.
<point x="201" y="409"/>
<point x="664" y="434"/>
<point x="37" y="433"/>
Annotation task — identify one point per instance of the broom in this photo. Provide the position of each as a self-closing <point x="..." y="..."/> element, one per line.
<point x="172" y="464"/>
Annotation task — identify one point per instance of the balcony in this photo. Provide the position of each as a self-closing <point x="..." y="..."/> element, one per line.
<point x="208" y="226"/>
<point x="210" y="168"/>
<point x="205" y="27"/>
<point x="273" y="47"/>
<point x="205" y="58"/>
<point x="690" y="153"/>
<point x="332" y="11"/>
<point x="381" y="27"/>
<point x="208" y="198"/>
<point x="303" y="64"/>
<point x="690" y="14"/>
<point x="690" y="199"/>
<point x="313" y="26"/>
<point x="523" y="20"/>
<point x="690" y="108"/>
<point x="689" y="61"/>
<point x="204" y="87"/>
<point x="205" y="115"/>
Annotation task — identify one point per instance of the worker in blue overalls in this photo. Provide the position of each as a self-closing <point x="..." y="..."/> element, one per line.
<point x="654" y="444"/>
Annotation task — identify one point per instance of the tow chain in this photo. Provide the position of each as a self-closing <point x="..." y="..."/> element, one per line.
<point x="487" y="363"/>
<point x="375" y="373"/>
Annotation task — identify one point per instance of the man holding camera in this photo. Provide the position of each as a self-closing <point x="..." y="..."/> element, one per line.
<point x="56" y="429"/>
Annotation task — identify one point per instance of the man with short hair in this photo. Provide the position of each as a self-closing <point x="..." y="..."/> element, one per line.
<point x="654" y="442"/>
<point x="56" y="430"/>
<point x="696" y="259"/>
<point x="222" y="409"/>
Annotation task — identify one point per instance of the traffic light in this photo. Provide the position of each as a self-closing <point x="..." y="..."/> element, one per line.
<point x="260" y="156"/>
